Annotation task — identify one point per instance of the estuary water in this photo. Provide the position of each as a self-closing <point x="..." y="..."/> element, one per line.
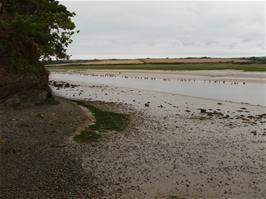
<point x="251" y="93"/>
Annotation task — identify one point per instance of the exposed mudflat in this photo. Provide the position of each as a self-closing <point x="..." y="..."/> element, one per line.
<point x="213" y="75"/>
<point x="176" y="146"/>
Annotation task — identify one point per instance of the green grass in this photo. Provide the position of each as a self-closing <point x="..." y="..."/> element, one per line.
<point x="105" y="121"/>
<point x="167" y="66"/>
<point x="88" y="135"/>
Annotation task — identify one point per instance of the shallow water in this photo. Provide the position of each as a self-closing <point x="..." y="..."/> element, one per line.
<point x="252" y="93"/>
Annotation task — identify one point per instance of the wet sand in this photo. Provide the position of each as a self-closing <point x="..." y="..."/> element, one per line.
<point x="214" y="75"/>
<point x="176" y="146"/>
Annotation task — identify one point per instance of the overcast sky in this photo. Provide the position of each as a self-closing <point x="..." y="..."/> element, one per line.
<point x="167" y="29"/>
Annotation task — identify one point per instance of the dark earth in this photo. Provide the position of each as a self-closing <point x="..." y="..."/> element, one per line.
<point x="35" y="158"/>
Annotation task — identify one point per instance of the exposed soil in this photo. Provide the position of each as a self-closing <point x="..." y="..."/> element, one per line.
<point x="35" y="155"/>
<point x="16" y="87"/>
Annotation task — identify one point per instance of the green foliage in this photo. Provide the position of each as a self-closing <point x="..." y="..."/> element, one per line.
<point x="32" y="30"/>
<point x="105" y="121"/>
<point x="261" y="60"/>
<point x="88" y="135"/>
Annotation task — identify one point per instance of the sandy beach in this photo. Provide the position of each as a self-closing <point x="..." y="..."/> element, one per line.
<point x="176" y="146"/>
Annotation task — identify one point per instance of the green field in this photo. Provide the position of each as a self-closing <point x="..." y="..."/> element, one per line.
<point x="165" y="66"/>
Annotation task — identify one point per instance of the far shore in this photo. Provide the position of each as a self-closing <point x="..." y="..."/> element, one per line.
<point x="214" y="75"/>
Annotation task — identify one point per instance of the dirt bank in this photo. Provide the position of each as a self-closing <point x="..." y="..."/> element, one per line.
<point x="35" y="152"/>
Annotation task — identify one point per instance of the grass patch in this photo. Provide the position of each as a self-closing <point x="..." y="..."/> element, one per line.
<point x="105" y="121"/>
<point x="167" y="66"/>
<point x="88" y="135"/>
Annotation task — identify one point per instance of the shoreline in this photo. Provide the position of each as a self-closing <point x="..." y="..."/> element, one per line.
<point x="175" y="146"/>
<point x="213" y="75"/>
<point x="206" y="89"/>
<point x="104" y="87"/>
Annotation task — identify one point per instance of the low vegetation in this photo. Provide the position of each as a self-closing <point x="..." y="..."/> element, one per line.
<point x="106" y="121"/>
<point x="167" y="66"/>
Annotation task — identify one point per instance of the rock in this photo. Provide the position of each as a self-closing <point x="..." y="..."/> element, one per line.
<point x="202" y="110"/>
<point x="250" y="116"/>
<point x="261" y="116"/>
<point x="40" y="115"/>
<point x="147" y="104"/>
<point x="218" y="113"/>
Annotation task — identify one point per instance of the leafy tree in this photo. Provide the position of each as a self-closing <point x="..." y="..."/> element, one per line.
<point x="32" y="31"/>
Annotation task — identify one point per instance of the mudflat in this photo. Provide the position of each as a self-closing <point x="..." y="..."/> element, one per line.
<point x="218" y="75"/>
<point x="176" y="146"/>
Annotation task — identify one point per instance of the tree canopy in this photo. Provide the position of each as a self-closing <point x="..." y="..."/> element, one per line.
<point x="33" y="30"/>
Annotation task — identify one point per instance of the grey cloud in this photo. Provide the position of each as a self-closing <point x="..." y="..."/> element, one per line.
<point x="172" y="29"/>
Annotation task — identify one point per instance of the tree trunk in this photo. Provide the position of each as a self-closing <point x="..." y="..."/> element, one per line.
<point x="18" y="88"/>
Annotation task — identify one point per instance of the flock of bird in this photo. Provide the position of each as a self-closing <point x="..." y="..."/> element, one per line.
<point x="164" y="79"/>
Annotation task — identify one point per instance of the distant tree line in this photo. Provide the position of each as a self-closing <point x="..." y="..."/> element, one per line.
<point x="258" y="60"/>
